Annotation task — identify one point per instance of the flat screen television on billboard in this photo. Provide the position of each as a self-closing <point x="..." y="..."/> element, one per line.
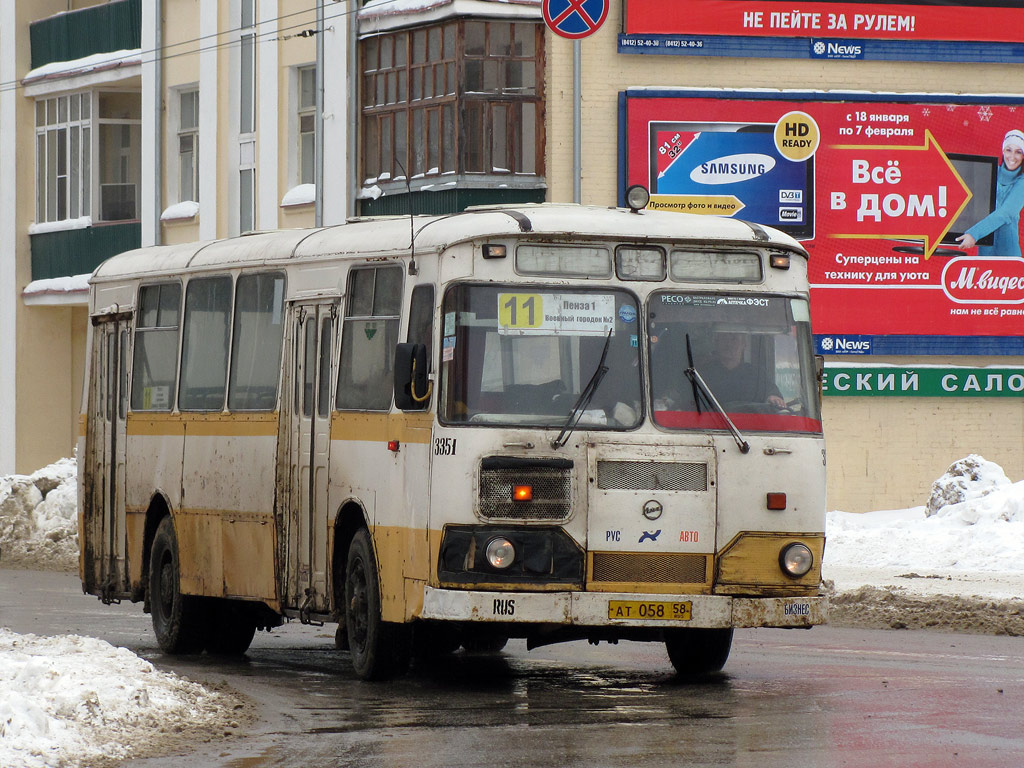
<point x="717" y="165"/>
<point x="979" y="173"/>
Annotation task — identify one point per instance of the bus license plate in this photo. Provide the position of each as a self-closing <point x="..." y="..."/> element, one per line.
<point x="648" y="609"/>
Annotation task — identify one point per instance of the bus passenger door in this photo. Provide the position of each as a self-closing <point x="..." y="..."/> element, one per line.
<point x="313" y="329"/>
<point x="106" y="568"/>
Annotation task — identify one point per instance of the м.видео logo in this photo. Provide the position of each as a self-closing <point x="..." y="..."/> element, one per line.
<point x="984" y="280"/>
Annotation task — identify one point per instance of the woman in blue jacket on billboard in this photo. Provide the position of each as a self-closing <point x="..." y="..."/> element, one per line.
<point x="1004" y="221"/>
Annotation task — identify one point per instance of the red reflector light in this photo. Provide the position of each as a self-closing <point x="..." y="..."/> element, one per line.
<point x="394" y="445"/>
<point x="776" y="501"/>
<point x="522" y="493"/>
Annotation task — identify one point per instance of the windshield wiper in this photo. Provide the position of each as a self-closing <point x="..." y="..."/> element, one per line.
<point x="585" y="396"/>
<point x="699" y="384"/>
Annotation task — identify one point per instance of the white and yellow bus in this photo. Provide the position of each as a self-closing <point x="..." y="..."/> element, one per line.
<point x="549" y="422"/>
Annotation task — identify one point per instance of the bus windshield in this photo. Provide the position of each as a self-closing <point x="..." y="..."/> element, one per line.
<point x="523" y="354"/>
<point x="753" y="352"/>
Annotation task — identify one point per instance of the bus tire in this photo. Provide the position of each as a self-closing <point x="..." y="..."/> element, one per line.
<point x="380" y="650"/>
<point x="178" y="620"/>
<point x="231" y="629"/>
<point x="698" y="652"/>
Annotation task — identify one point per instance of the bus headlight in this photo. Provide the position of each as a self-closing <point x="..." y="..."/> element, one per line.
<point x="500" y="552"/>
<point x="795" y="559"/>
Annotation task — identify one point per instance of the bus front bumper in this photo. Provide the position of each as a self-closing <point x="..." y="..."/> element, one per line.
<point x="604" y="609"/>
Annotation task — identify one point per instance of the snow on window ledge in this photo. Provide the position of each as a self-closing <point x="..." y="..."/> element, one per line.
<point x="58" y="290"/>
<point x="60" y="226"/>
<point x="95" y="62"/>
<point x="187" y="209"/>
<point x="303" y="194"/>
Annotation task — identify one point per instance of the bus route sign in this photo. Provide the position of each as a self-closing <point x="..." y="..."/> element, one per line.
<point x="575" y="18"/>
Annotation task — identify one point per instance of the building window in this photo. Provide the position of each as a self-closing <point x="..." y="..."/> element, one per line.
<point x="247" y="199"/>
<point x="461" y="97"/>
<point x="120" y="155"/>
<point x="63" y="157"/>
<point x="307" y="125"/>
<point x="247" y="117"/>
<point x="501" y="93"/>
<point x="188" y="146"/>
<point x="66" y="154"/>
<point x="247" y="70"/>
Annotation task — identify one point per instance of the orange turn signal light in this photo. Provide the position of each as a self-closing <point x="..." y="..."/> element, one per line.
<point x="776" y="501"/>
<point x="522" y="493"/>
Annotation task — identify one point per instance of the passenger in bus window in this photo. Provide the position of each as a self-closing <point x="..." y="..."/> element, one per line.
<point x="732" y="379"/>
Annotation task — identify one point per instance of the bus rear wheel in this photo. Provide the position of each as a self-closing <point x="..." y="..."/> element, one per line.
<point x="379" y="649"/>
<point x="698" y="652"/>
<point x="178" y="620"/>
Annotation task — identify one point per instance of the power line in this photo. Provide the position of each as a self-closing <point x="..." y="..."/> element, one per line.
<point x="268" y="36"/>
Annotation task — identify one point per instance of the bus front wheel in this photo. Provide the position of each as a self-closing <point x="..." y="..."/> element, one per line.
<point x="379" y="649"/>
<point x="177" y="618"/>
<point x="698" y="652"/>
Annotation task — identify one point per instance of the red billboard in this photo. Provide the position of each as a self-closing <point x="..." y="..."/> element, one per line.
<point x="991" y="21"/>
<point x="910" y="210"/>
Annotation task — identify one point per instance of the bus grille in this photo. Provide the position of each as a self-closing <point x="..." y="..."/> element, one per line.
<point x="652" y="476"/>
<point x="666" y="568"/>
<point x="552" y="493"/>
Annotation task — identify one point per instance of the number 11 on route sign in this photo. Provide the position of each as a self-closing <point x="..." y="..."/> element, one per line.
<point x="575" y="18"/>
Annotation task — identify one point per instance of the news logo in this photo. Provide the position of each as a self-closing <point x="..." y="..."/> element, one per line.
<point x="837" y="49"/>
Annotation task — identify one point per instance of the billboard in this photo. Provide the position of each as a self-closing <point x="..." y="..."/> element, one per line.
<point x="911" y="20"/>
<point x="898" y="202"/>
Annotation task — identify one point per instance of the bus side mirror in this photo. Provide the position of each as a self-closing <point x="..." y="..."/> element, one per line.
<point x="819" y="374"/>
<point x="412" y="389"/>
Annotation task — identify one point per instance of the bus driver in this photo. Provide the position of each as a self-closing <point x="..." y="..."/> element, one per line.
<point x="731" y="380"/>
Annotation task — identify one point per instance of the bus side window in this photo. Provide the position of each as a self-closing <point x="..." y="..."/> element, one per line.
<point x="155" y="356"/>
<point x="256" y="344"/>
<point x="421" y="319"/>
<point x="204" y="349"/>
<point x="421" y="325"/>
<point x="368" y="339"/>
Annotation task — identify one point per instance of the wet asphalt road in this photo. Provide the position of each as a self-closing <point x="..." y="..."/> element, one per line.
<point x="825" y="697"/>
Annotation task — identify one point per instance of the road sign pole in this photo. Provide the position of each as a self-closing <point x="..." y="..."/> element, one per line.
<point x="575" y="19"/>
<point x="577" y="120"/>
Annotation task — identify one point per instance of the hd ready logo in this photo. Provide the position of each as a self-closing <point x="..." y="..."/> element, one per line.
<point x="837" y="49"/>
<point x="843" y="345"/>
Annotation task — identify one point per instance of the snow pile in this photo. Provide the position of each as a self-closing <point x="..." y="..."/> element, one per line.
<point x="973" y="522"/>
<point x="39" y="518"/>
<point x="57" y="285"/>
<point x="303" y="194"/>
<point x="86" y="64"/>
<point x="42" y="227"/>
<point x="186" y="209"/>
<point x="77" y="701"/>
<point x="967" y="479"/>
